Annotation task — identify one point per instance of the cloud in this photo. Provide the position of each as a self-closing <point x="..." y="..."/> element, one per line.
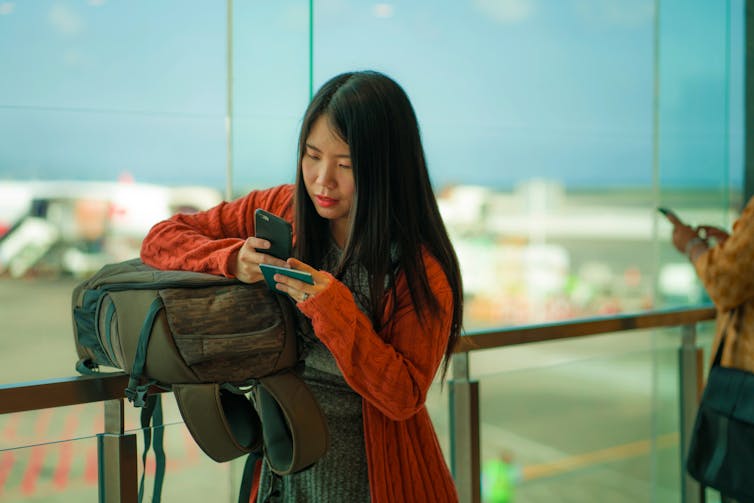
<point x="383" y="10"/>
<point x="6" y="8"/>
<point x="506" y="11"/>
<point x="64" y="20"/>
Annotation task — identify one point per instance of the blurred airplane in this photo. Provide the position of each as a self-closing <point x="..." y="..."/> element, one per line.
<point x="76" y="227"/>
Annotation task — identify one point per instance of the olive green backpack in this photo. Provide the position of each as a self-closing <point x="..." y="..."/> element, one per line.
<point x="227" y="351"/>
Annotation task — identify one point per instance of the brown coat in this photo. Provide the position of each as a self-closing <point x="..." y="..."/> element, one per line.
<point x="727" y="272"/>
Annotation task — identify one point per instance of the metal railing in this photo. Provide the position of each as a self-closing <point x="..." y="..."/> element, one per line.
<point x="117" y="457"/>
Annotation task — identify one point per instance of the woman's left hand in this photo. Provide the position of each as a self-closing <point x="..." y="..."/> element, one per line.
<point x="711" y="232"/>
<point x="300" y="290"/>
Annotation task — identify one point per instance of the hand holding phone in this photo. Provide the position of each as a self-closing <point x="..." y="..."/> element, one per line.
<point x="276" y="230"/>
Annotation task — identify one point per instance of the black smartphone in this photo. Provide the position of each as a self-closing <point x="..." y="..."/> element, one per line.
<point x="669" y="214"/>
<point x="276" y="230"/>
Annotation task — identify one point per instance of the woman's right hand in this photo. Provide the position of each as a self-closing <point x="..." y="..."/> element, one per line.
<point x="246" y="265"/>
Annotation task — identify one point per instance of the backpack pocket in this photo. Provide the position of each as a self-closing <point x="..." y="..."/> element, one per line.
<point x="230" y="333"/>
<point x="86" y="325"/>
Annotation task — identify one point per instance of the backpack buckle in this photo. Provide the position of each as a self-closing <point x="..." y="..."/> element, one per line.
<point x="137" y="395"/>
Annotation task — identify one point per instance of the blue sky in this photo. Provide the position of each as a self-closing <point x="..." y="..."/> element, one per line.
<point x="505" y="90"/>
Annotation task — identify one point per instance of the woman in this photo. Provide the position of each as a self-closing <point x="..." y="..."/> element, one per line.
<point x="385" y="308"/>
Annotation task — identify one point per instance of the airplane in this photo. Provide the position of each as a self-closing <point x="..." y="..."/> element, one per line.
<point x="75" y="227"/>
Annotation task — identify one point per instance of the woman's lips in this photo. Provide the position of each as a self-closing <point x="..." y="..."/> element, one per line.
<point x="326" y="202"/>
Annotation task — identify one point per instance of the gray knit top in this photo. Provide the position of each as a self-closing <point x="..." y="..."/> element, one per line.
<point x="341" y="474"/>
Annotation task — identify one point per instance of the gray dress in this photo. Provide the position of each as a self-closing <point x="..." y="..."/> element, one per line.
<point x="341" y="474"/>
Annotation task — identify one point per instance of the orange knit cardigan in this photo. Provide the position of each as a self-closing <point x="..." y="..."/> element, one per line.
<point x="391" y="369"/>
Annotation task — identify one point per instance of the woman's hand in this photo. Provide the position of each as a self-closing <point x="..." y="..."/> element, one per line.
<point x="300" y="290"/>
<point x="246" y="265"/>
<point x="712" y="232"/>
<point x="682" y="236"/>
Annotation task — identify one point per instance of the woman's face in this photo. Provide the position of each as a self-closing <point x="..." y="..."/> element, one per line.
<point x="328" y="177"/>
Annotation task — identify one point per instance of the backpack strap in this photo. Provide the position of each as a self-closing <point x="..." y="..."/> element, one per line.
<point x="152" y="413"/>
<point x="247" y="478"/>
<point x="293" y="426"/>
<point x="285" y="419"/>
<point x="136" y="392"/>
<point x="223" y="423"/>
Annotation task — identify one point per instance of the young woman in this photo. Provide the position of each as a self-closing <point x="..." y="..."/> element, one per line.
<point x="385" y="308"/>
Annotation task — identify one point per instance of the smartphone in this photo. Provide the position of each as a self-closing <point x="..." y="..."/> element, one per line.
<point x="276" y="230"/>
<point x="669" y="214"/>
<point x="269" y="272"/>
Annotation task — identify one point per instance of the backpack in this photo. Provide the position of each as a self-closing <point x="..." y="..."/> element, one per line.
<point x="209" y="340"/>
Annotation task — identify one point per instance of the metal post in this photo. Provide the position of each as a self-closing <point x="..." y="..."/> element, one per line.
<point x="690" y="365"/>
<point x="464" y="430"/>
<point x="749" y="101"/>
<point x="117" y="458"/>
<point x="229" y="101"/>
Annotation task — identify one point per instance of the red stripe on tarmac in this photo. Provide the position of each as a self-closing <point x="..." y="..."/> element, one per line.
<point x="36" y="460"/>
<point x="11" y="427"/>
<point x="90" y="468"/>
<point x="60" y="477"/>
<point x="6" y="464"/>
<point x="192" y="450"/>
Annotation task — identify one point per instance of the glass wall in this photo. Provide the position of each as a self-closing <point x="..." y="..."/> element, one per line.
<point x="553" y="129"/>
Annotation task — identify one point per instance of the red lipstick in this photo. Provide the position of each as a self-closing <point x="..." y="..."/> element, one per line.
<point x="326" y="202"/>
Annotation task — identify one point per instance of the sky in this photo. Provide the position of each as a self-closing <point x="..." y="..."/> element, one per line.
<point x="505" y="90"/>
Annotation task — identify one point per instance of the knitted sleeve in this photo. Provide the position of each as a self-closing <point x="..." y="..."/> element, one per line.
<point x="393" y="369"/>
<point x="207" y="240"/>
<point x="727" y="270"/>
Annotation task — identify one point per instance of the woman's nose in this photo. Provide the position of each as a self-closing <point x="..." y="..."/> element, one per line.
<point x="325" y="176"/>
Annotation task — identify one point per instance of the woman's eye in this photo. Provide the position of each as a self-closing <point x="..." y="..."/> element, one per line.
<point x="344" y="166"/>
<point x="313" y="156"/>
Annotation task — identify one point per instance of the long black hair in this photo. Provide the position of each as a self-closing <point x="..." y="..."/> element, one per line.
<point x="394" y="205"/>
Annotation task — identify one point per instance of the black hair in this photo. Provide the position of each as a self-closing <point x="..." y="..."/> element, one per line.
<point x="394" y="205"/>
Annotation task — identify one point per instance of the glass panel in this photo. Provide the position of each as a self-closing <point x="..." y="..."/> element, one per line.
<point x="546" y="189"/>
<point x="569" y="401"/>
<point x="51" y="455"/>
<point x="700" y="138"/>
<point x="55" y="472"/>
<point x="36" y="337"/>
<point x="438" y="407"/>
<point x="270" y="90"/>
<point x="24" y="429"/>
<point x="549" y="190"/>
<point x="108" y="100"/>
<point x="189" y="474"/>
<point x="699" y="152"/>
<point x="583" y="418"/>
<point x="109" y="88"/>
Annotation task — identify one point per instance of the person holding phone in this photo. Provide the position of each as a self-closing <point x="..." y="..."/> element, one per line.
<point x="724" y="263"/>
<point x="386" y="304"/>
